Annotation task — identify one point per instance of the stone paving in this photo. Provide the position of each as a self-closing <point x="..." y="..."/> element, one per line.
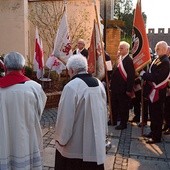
<point x="128" y="151"/>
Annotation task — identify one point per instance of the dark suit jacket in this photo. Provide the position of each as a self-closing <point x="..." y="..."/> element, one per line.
<point x="118" y="84"/>
<point x="84" y="52"/>
<point x="159" y="72"/>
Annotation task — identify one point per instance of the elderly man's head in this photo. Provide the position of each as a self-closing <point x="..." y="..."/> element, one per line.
<point x="80" y="44"/>
<point x="76" y="64"/>
<point x="14" y="61"/>
<point x="123" y="48"/>
<point x="161" y="48"/>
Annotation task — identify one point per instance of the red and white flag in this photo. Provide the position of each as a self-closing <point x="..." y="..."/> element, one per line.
<point x="62" y="45"/>
<point x="140" y="44"/>
<point x="38" y="56"/>
<point x="54" y="64"/>
<point x="95" y="59"/>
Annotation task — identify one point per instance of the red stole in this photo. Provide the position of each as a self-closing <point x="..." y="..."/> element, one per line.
<point x="12" y="78"/>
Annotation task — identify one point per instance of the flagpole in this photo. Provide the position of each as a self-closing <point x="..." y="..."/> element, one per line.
<point x="65" y="10"/>
<point x="102" y="47"/>
<point x="65" y="2"/>
<point x="42" y="73"/>
<point x="142" y="58"/>
<point x="142" y="108"/>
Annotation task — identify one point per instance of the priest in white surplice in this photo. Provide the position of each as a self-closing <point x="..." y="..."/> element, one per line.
<point x="21" y="105"/>
<point x="81" y="122"/>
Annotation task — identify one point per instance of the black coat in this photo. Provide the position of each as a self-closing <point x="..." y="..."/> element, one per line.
<point x="84" y="52"/>
<point x="159" y="71"/>
<point x="118" y="84"/>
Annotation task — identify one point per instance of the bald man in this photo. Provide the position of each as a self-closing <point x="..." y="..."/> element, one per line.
<point x="156" y="82"/>
<point x="81" y="48"/>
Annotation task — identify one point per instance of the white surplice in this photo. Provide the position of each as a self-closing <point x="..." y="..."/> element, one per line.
<point x="21" y="143"/>
<point x="81" y="122"/>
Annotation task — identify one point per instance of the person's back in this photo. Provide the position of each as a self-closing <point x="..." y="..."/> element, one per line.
<point x="21" y="104"/>
<point x="81" y="122"/>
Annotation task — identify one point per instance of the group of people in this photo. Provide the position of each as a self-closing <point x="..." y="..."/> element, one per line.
<point x="81" y="126"/>
<point x="126" y="91"/>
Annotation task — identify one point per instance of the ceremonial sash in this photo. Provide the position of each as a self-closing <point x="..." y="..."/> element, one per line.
<point x="124" y="74"/>
<point x="154" y="94"/>
<point x="13" y="78"/>
<point x="122" y="70"/>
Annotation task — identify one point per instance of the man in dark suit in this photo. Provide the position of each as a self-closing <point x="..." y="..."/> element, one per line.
<point x="166" y="127"/>
<point x="81" y="48"/>
<point x="156" y="82"/>
<point x="122" y="82"/>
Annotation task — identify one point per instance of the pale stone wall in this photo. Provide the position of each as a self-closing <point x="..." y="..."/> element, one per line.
<point x="17" y="33"/>
<point x="80" y="13"/>
<point x="13" y="26"/>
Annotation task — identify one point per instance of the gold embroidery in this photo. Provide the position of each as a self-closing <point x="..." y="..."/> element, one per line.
<point x="157" y="62"/>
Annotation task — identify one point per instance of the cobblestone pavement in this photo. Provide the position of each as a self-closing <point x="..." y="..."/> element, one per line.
<point x="128" y="151"/>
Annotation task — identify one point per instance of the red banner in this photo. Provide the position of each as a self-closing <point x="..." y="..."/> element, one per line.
<point x="140" y="44"/>
<point x="95" y="60"/>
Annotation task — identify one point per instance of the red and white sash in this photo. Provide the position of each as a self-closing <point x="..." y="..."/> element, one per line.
<point x="124" y="74"/>
<point x="122" y="69"/>
<point x="154" y="94"/>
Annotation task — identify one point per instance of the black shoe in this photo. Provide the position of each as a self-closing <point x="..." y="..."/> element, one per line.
<point x="140" y="124"/>
<point x="121" y="127"/>
<point x="109" y="123"/>
<point x="149" y="135"/>
<point x="151" y="141"/>
<point x="167" y="132"/>
<point x="165" y="128"/>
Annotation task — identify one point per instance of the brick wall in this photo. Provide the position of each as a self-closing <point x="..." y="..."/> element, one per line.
<point x="112" y="41"/>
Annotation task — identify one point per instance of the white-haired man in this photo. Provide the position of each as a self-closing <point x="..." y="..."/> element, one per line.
<point x="122" y="82"/>
<point x="21" y="105"/>
<point x="81" y="122"/>
<point x="81" y="48"/>
<point x="155" y="90"/>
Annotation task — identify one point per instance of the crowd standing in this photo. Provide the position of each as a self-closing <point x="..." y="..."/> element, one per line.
<point x="81" y="126"/>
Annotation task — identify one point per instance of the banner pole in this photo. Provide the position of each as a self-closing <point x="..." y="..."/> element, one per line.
<point x="102" y="47"/>
<point x="142" y="109"/>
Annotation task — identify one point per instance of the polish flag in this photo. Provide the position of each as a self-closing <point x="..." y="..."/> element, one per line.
<point x="38" y="56"/>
